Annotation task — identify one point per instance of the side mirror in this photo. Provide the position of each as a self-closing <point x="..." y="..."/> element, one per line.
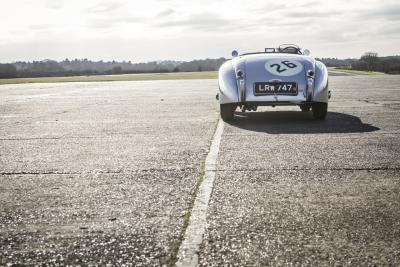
<point x="306" y="52"/>
<point x="235" y="53"/>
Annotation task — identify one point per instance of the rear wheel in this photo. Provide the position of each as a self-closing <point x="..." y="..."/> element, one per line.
<point x="227" y="111"/>
<point x="319" y="110"/>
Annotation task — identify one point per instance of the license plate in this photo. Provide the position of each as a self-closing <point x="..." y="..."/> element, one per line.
<point x="275" y="88"/>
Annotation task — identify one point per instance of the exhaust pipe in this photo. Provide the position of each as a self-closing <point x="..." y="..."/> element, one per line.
<point x="249" y="108"/>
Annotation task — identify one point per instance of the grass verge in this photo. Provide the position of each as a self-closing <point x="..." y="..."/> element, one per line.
<point x="111" y="78"/>
<point x="146" y="77"/>
<point x="357" y="72"/>
<point x="186" y="219"/>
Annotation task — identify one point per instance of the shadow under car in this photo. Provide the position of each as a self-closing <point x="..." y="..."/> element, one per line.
<point x="294" y="122"/>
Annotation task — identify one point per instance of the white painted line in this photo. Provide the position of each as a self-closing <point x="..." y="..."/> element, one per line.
<point x="189" y="249"/>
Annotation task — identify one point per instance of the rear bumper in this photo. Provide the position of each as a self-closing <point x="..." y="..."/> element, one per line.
<point x="244" y="96"/>
<point x="275" y="103"/>
<point x="299" y="98"/>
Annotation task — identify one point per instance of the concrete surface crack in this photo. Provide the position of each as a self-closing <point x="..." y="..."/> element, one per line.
<point x="88" y="172"/>
<point x="311" y="169"/>
<point x="46" y="138"/>
<point x="370" y="102"/>
<point x="193" y="237"/>
<point x="39" y="173"/>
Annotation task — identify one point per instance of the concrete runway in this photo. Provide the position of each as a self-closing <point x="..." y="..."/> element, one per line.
<point x="107" y="173"/>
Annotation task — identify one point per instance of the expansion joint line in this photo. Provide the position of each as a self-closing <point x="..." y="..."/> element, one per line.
<point x="188" y="254"/>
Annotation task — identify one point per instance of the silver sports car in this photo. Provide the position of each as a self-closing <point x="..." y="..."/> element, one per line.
<point x="286" y="75"/>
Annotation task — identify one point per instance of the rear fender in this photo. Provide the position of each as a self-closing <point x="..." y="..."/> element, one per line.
<point x="228" y="87"/>
<point x="320" y="83"/>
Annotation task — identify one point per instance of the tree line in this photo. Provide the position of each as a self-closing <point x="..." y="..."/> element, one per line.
<point x="50" y="68"/>
<point x="370" y="61"/>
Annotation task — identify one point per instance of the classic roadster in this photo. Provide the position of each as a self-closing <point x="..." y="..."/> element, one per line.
<point x="286" y="75"/>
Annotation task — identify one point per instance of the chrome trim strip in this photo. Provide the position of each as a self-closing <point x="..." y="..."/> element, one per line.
<point x="275" y="81"/>
<point x="310" y="85"/>
<point x="242" y="88"/>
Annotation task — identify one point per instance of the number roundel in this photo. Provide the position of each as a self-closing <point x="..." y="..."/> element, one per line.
<point x="283" y="67"/>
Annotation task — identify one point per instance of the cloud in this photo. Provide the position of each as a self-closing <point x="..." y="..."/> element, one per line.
<point x="110" y="22"/>
<point x="346" y="27"/>
<point x="207" y="22"/>
<point x="395" y="31"/>
<point x="309" y="4"/>
<point x="54" y="4"/>
<point x="105" y="7"/>
<point x="166" y="12"/>
<point x="307" y="13"/>
<point x="270" y="7"/>
<point x="40" y="27"/>
<point x="388" y="12"/>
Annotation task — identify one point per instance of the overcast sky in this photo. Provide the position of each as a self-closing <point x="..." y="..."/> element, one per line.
<point x="186" y="29"/>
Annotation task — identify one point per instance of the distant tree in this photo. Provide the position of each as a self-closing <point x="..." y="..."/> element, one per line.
<point x="371" y="59"/>
<point x="69" y="67"/>
<point x="116" y="70"/>
<point x="359" y="65"/>
<point x="335" y="62"/>
<point x="8" y="71"/>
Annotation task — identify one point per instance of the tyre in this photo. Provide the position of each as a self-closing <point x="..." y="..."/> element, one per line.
<point x="319" y="110"/>
<point x="227" y="111"/>
<point x="305" y="107"/>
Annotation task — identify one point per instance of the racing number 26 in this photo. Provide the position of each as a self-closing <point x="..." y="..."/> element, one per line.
<point x="280" y="68"/>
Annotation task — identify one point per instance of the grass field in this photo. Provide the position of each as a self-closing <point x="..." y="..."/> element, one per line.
<point x="357" y="72"/>
<point x="122" y="77"/>
<point x="145" y="77"/>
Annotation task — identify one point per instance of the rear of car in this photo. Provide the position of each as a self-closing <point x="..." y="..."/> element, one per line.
<point x="270" y="79"/>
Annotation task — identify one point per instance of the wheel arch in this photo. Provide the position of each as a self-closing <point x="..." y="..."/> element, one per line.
<point x="228" y="91"/>
<point x="320" y="83"/>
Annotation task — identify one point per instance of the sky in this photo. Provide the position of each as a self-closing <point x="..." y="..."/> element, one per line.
<point x="146" y="30"/>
